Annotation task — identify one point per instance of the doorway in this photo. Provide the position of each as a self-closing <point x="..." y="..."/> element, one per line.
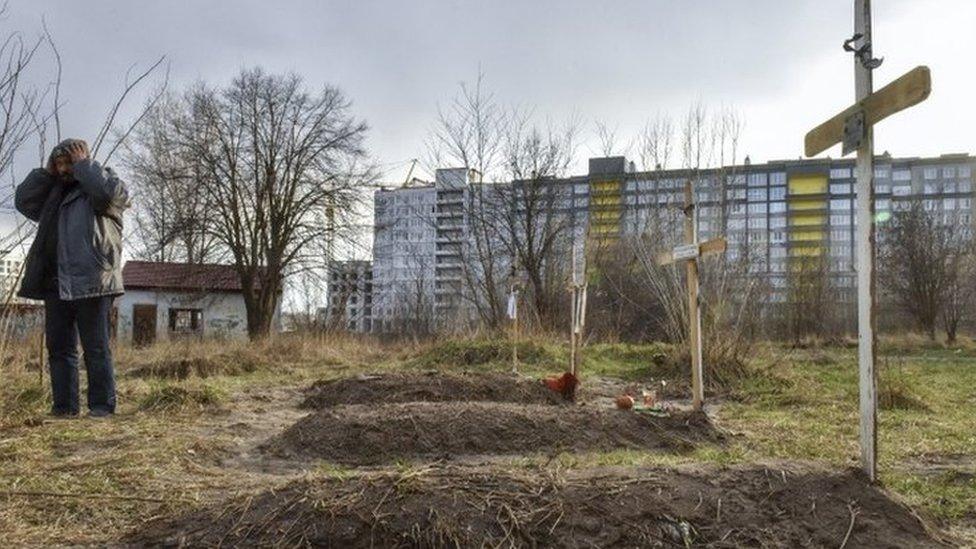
<point x="143" y="325"/>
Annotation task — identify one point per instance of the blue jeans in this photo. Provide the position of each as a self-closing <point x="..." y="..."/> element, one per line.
<point x="65" y="322"/>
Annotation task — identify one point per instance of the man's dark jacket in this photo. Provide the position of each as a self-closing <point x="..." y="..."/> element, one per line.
<point x="89" y="224"/>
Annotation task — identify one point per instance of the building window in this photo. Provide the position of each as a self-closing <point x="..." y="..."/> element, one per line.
<point x="949" y="172"/>
<point x="757" y="180"/>
<point x="930" y="188"/>
<point x="757" y="195"/>
<point x="965" y="171"/>
<point x="901" y="190"/>
<point x="185" y="321"/>
<point x="757" y="209"/>
<point x="840" y="173"/>
<point x="777" y="207"/>
<point x="842" y="204"/>
<point x="930" y="173"/>
<point x="777" y="193"/>
<point x="882" y="172"/>
<point x="840" y="188"/>
<point x="777" y="178"/>
<point x="902" y="175"/>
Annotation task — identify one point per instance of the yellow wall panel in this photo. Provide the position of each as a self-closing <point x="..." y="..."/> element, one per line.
<point x="800" y="205"/>
<point x="807" y="220"/>
<point x="808" y="184"/>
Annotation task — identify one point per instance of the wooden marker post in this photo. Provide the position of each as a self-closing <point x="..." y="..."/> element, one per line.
<point x="512" y="313"/>
<point x="689" y="252"/>
<point x="577" y="314"/>
<point x="854" y="127"/>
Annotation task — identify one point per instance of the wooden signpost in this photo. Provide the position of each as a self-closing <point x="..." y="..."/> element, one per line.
<point x="854" y="128"/>
<point x="689" y="252"/>
<point x="514" y="288"/>
<point x="578" y="312"/>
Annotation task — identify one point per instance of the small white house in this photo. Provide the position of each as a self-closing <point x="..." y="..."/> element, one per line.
<point x="165" y="301"/>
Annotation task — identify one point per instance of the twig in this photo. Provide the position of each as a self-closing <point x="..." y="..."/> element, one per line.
<point x="851" y="506"/>
<point x="11" y="493"/>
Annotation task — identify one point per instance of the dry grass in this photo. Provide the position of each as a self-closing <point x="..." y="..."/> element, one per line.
<point x="184" y="406"/>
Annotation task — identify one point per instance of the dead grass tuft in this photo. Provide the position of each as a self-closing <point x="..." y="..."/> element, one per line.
<point x="180" y="397"/>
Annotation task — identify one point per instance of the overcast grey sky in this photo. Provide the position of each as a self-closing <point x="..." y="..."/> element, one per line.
<point x="778" y="62"/>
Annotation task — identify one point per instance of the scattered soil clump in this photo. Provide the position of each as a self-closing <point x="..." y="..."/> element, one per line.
<point x="429" y="387"/>
<point x="443" y="430"/>
<point x="785" y="505"/>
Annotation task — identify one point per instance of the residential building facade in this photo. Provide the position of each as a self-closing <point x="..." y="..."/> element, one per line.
<point x="784" y="214"/>
<point x="350" y="296"/>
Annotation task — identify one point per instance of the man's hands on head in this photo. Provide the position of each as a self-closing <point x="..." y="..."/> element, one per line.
<point x="78" y="150"/>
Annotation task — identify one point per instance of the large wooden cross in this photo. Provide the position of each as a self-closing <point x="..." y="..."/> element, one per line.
<point x="689" y="252"/>
<point x="854" y="128"/>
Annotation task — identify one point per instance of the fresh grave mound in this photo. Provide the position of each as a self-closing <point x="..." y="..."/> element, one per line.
<point x="788" y="505"/>
<point x="441" y="430"/>
<point x="429" y="387"/>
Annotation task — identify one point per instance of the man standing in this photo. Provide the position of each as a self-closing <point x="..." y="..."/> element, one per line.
<point x="74" y="265"/>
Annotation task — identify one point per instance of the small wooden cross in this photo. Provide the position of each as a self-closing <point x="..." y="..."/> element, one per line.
<point x="689" y="252"/>
<point x="511" y="311"/>
<point x="578" y="312"/>
<point x="854" y="127"/>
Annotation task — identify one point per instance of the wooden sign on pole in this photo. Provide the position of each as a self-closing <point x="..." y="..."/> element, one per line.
<point x="854" y="127"/>
<point x="689" y="252"/>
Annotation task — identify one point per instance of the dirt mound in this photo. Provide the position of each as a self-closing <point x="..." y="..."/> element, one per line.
<point x="382" y="434"/>
<point x="429" y="387"/>
<point x="789" y="506"/>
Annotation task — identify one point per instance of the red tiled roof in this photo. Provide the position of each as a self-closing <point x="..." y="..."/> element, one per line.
<point x="180" y="276"/>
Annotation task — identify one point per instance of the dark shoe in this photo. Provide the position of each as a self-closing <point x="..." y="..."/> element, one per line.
<point x="63" y="414"/>
<point x="98" y="413"/>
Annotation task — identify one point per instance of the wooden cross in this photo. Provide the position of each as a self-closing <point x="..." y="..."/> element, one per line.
<point x="578" y="312"/>
<point x="854" y="128"/>
<point x="514" y="289"/>
<point x="689" y="252"/>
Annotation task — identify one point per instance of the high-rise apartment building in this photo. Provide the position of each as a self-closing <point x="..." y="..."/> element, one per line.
<point x="783" y="214"/>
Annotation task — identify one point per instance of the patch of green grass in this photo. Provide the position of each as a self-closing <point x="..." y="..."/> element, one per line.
<point x="928" y="409"/>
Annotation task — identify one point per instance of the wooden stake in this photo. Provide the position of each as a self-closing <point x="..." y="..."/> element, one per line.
<point x="694" y="310"/>
<point x="864" y="242"/>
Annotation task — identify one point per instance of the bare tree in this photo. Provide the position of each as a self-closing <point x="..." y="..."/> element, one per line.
<point x="927" y="268"/>
<point x="172" y="216"/>
<point x="534" y="226"/>
<point x="656" y="143"/>
<point x="276" y="162"/>
<point x="732" y="295"/>
<point x="608" y="140"/>
<point x="470" y="134"/>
